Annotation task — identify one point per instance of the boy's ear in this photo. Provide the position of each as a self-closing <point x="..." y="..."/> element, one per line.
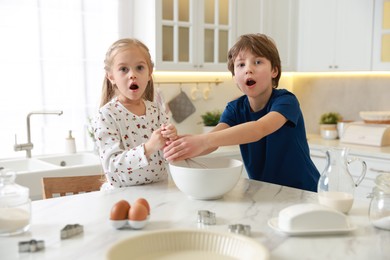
<point x="275" y="72"/>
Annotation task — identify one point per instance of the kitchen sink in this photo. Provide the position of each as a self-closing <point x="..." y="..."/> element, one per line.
<point x="26" y="165"/>
<point x="69" y="160"/>
<point x="29" y="171"/>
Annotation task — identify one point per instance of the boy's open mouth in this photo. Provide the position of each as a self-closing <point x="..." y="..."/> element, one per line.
<point x="250" y="82"/>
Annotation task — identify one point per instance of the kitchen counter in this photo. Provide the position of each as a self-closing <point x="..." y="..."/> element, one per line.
<point x="316" y="142"/>
<point x="250" y="202"/>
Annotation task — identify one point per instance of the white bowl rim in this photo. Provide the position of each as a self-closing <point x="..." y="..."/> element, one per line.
<point x="234" y="163"/>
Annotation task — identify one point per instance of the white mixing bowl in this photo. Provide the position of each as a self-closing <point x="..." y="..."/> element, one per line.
<point x="206" y="178"/>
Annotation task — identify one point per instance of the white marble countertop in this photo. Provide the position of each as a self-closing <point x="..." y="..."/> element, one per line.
<point x="318" y="143"/>
<point x="250" y="202"/>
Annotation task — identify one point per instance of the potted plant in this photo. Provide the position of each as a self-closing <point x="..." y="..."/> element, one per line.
<point x="328" y="125"/>
<point x="210" y="119"/>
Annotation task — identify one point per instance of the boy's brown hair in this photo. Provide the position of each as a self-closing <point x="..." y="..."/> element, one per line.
<point x="258" y="44"/>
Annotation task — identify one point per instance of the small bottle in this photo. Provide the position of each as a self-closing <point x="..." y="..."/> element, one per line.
<point x="15" y="205"/>
<point x="70" y="143"/>
<point x="379" y="211"/>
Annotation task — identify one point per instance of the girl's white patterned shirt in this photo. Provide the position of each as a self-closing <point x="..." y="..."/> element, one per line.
<point x="120" y="136"/>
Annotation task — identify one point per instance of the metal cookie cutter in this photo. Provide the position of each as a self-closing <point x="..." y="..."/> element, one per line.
<point x="71" y="230"/>
<point x="31" y="246"/>
<point x="206" y="217"/>
<point x="240" y="229"/>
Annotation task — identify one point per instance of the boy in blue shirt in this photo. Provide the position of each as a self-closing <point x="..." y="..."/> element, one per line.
<point x="266" y="122"/>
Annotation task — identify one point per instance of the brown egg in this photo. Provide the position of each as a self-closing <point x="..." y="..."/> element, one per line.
<point x="138" y="212"/>
<point x="143" y="202"/>
<point x="120" y="210"/>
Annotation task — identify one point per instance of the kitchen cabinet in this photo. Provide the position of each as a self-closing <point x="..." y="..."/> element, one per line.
<point x="275" y="18"/>
<point x="280" y="23"/>
<point x="186" y="34"/>
<point x="381" y="37"/>
<point x="335" y="35"/>
<point x="375" y="166"/>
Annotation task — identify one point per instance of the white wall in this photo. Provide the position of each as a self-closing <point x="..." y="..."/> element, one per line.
<point x="347" y="94"/>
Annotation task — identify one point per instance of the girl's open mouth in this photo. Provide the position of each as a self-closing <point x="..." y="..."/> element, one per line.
<point x="134" y="86"/>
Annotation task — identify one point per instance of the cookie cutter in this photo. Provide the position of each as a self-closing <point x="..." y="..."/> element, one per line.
<point x="240" y="229"/>
<point x="206" y="217"/>
<point x="71" y="230"/>
<point x="31" y="246"/>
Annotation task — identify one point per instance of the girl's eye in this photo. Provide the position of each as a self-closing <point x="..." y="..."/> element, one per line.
<point x="124" y="69"/>
<point x="140" y="67"/>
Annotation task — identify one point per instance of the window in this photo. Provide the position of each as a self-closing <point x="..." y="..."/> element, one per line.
<point x="52" y="54"/>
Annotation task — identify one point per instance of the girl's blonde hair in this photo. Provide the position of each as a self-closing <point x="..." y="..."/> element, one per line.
<point x="109" y="90"/>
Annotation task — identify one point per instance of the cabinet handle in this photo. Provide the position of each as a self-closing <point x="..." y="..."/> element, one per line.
<point x="330" y="66"/>
<point x="336" y="67"/>
<point x="379" y="171"/>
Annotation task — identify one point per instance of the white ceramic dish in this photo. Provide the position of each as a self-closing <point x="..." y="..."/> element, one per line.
<point x="188" y="244"/>
<point x="274" y="223"/>
<point x="206" y="178"/>
<point x="376" y="117"/>
<point x="310" y="218"/>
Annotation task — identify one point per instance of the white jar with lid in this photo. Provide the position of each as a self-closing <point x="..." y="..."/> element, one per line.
<point x="379" y="211"/>
<point x="15" y="205"/>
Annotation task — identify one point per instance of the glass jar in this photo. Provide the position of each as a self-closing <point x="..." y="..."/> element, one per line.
<point x="15" y="205"/>
<point x="379" y="211"/>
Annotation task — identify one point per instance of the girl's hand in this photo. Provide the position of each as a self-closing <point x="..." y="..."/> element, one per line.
<point x="169" y="132"/>
<point x="155" y="143"/>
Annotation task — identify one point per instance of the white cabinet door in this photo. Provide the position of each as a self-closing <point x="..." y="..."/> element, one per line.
<point x="319" y="159"/>
<point x="335" y="35"/>
<point x="381" y="43"/>
<point x="275" y="18"/>
<point x="187" y="35"/>
<point x="280" y="23"/>
<point x="375" y="167"/>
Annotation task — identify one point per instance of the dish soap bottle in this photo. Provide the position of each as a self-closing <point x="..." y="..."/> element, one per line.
<point x="70" y="143"/>
<point x="15" y="205"/>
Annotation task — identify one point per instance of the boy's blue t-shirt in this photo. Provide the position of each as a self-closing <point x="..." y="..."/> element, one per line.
<point x="282" y="157"/>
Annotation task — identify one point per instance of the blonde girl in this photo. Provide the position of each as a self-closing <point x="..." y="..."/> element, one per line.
<point x="130" y="129"/>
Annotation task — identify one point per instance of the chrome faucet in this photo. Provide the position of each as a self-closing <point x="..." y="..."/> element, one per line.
<point x="29" y="145"/>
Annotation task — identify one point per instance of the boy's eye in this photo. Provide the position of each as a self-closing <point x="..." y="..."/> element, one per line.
<point x="257" y="62"/>
<point x="240" y="64"/>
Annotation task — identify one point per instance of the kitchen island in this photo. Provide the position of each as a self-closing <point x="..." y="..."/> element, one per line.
<point x="250" y="202"/>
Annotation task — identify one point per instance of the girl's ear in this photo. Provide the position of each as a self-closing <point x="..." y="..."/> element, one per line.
<point x="110" y="78"/>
